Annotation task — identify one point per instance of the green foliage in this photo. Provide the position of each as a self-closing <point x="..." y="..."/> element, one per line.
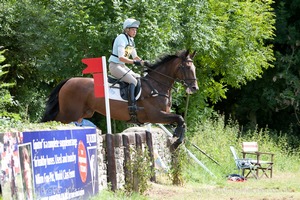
<point x="47" y="40"/>
<point x="118" y="195"/>
<point x="231" y="39"/>
<point x="6" y="100"/>
<point x="286" y="78"/>
<point x="7" y="125"/>
<point x="140" y="170"/>
<point x="274" y="99"/>
<point x="214" y="137"/>
<point x="177" y="166"/>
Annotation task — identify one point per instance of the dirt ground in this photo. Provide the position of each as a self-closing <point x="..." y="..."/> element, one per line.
<point x="206" y="192"/>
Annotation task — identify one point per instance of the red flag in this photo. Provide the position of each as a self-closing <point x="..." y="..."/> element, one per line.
<point x="95" y="67"/>
<point x="98" y="85"/>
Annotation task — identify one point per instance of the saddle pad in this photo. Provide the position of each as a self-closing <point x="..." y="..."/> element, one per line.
<point x="114" y="93"/>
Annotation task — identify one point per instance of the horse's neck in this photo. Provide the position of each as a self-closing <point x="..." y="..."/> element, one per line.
<point x="155" y="87"/>
<point x="161" y="80"/>
<point x="159" y="84"/>
<point x="163" y="77"/>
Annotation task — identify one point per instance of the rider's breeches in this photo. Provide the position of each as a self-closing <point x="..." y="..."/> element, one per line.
<point x="123" y="72"/>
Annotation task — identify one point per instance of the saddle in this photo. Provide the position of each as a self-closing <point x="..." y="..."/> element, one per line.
<point x="123" y="87"/>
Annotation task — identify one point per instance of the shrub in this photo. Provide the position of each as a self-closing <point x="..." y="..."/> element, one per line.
<point x="214" y="137"/>
<point x="139" y="167"/>
<point x="6" y="100"/>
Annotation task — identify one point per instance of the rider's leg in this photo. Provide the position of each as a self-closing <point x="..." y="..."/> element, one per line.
<point x="126" y="75"/>
<point x="123" y="73"/>
<point x="131" y="99"/>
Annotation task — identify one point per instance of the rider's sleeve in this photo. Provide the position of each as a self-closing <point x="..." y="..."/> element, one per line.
<point x="121" y="51"/>
<point x="134" y="53"/>
<point x="121" y="45"/>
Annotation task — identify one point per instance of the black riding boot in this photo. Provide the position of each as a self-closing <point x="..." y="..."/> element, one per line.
<point x="131" y="99"/>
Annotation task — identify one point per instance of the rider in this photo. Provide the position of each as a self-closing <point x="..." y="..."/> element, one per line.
<point x="123" y="48"/>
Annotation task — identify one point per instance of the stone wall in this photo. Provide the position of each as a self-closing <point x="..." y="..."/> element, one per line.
<point x="160" y="148"/>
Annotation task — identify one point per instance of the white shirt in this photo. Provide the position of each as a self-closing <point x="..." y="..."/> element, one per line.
<point x="122" y="47"/>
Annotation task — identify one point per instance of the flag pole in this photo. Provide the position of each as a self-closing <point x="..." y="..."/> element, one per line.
<point x="106" y="92"/>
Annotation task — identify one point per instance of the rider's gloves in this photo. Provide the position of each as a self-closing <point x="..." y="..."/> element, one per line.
<point x="137" y="62"/>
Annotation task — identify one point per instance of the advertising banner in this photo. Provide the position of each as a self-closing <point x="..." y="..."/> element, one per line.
<point x="52" y="164"/>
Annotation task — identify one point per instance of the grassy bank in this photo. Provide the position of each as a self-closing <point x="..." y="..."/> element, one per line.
<point x="282" y="186"/>
<point x="214" y="138"/>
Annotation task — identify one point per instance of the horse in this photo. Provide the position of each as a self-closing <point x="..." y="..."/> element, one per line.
<point x="73" y="98"/>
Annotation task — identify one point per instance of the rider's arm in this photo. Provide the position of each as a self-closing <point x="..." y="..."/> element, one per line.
<point x="134" y="55"/>
<point x="128" y="60"/>
<point x="124" y="59"/>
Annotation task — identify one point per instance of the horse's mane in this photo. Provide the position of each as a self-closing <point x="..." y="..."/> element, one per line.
<point x="164" y="59"/>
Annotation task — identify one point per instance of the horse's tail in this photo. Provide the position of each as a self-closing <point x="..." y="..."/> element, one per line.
<point x="52" y="105"/>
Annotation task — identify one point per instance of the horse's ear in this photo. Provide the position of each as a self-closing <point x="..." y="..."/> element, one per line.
<point x="187" y="53"/>
<point x="193" y="54"/>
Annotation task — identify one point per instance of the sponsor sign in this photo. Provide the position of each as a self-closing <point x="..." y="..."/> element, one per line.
<point x="52" y="164"/>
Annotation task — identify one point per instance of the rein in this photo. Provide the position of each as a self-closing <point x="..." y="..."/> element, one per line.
<point x="183" y="81"/>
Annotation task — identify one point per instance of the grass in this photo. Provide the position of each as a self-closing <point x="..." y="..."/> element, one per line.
<point x="282" y="186"/>
<point x="277" y="188"/>
<point x="214" y="137"/>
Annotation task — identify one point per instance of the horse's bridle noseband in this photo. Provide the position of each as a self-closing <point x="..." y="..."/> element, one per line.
<point x="182" y="67"/>
<point x="183" y="81"/>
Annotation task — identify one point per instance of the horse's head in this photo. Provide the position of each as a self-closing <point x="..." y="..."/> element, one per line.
<point x="187" y="72"/>
<point x="171" y="68"/>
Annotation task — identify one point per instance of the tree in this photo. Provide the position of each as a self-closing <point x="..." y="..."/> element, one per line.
<point x="273" y="100"/>
<point x="232" y="39"/>
<point x="6" y="100"/>
<point x="48" y="39"/>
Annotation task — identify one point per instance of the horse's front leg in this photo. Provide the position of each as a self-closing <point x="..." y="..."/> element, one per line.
<point x="179" y="131"/>
<point x="170" y="118"/>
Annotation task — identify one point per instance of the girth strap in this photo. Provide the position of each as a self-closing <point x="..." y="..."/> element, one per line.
<point x="154" y="92"/>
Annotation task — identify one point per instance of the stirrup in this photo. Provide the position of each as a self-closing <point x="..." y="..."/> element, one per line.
<point x="134" y="108"/>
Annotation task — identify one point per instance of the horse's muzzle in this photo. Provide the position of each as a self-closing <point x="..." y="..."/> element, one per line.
<point x="192" y="89"/>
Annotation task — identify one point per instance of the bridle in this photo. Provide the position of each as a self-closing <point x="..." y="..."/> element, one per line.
<point x="181" y="69"/>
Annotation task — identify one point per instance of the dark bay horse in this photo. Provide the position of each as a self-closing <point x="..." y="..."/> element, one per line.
<point x="74" y="98"/>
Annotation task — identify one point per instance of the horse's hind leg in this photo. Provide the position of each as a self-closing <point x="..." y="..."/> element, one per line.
<point x="67" y="118"/>
<point x="68" y="113"/>
<point x="88" y="113"/>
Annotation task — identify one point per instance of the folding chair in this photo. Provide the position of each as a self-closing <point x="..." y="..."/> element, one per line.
<point x="251" y="149"/>
<point x="243" y="164"/>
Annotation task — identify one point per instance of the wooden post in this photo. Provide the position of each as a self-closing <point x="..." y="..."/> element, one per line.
<point x="111" y="162"/>
<point x="138" y="143"/>
<point x="127" y="159"/>
<point x="151" y="154"/>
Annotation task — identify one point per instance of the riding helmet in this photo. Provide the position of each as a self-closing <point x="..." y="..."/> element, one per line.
<point x="131" y="23"/>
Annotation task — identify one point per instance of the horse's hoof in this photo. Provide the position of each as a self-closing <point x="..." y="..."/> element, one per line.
<point x="178" y="131"/>
<point x="176" y="144"/>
